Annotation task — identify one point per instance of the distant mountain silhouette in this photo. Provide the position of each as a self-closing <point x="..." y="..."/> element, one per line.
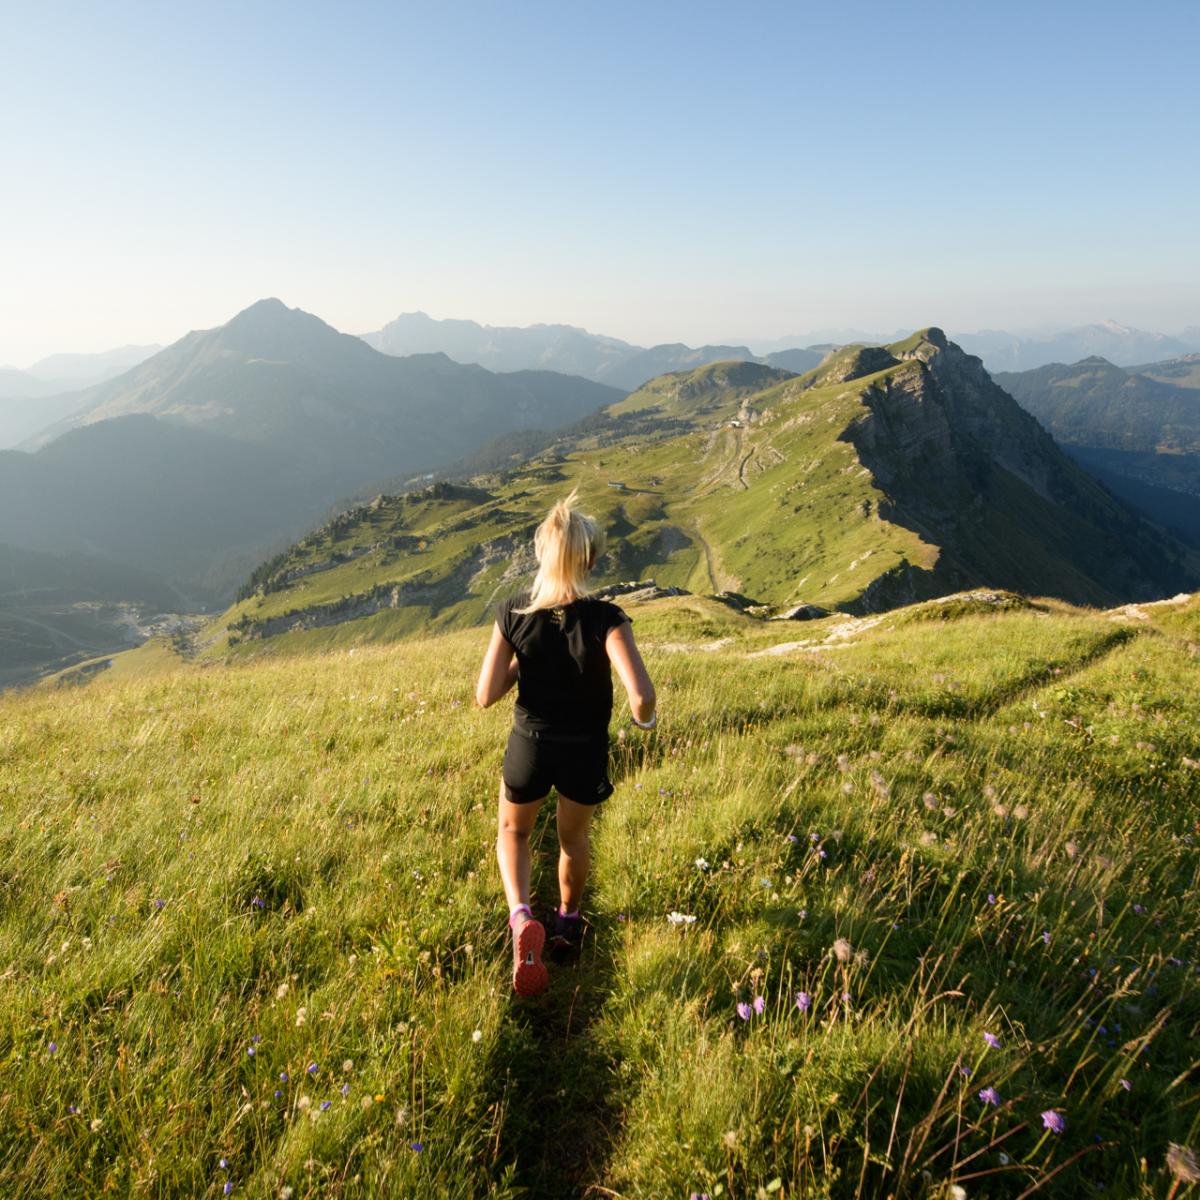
<point x="207" y="454"/>
<point x="560" y="347"/>
<point x="1120" y="344"/>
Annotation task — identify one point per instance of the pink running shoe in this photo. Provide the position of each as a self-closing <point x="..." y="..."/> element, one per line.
<point x="530" y="977"/>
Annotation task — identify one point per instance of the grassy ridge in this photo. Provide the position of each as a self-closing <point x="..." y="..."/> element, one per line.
<point x="941" y="824"/>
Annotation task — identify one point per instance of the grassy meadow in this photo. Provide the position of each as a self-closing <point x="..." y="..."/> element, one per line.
<point x="879" y="902"/>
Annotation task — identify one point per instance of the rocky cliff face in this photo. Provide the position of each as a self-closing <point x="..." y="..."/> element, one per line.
<point x="957" y="457"/>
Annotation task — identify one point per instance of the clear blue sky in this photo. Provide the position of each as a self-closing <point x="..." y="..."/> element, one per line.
<point x="657" y="171"/>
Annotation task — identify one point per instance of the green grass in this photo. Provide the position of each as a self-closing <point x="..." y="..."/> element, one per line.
<point x="293" y="855"/>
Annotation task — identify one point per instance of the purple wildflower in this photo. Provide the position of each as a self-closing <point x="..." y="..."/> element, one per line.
<point x="325" y="1104"/>
<point x="312" y="1068"/>
<point x="1053" y="1121"/>
<point x="417" y="1146"/>
<point x="72" y="1109"/>
<point x="965" y="1072"/>
<point x="53" y="1048"/>
<point x="1046" y="936"/>
<point x="991" y="897"/>
<point x="283" y="1075"/>
<point x="992" y="1040"/>
<point x="989" y="1095"/>
<point x="1127" y="1085"/>
<point x="743" y="1010"/>
<point x="250" y="1051"/>
<point x="278" y="1093"/>
<point x="345" y="1089"/>
<point x="791" y="837"/>
<point x="223" y="1164"/>
<point x="760" y="1002"/>
<point x="803" y="1001"/>
<point x="159" y="903"/>
<point x="228" y="1188"/>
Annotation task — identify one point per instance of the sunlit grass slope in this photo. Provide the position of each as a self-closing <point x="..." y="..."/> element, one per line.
<point x="252" y="938"/>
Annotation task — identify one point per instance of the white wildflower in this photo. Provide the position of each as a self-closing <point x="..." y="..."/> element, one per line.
<point x="678" y="918"/>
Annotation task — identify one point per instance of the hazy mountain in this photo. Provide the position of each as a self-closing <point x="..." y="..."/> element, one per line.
<point x="1139" y="430"/>
<point x="886" y="475"/>
<point x="798" y="360"/>
<point x="20" y="384"/>
<point x="21" y="417"/>
<point x="560" y="348"/>
<point x="502" y="347"/>
<point x="179" y="503"/>
<point x="33" y="399"/>
<point x="1120" y="344"/>
<point x="283" y="379"/>
<point x="63" y="371"/>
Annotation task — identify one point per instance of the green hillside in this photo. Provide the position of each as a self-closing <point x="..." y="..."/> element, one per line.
<point x="252" y="932"/>
<point x="887" y="475"/>
<point x="1137" y="429"/>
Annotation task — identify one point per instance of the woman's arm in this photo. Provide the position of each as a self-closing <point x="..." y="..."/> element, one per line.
<point x="499" y="670"/>
<point x="631" y="671"/>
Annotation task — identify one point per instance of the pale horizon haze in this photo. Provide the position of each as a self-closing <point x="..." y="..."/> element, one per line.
<point x="674" y="172"/>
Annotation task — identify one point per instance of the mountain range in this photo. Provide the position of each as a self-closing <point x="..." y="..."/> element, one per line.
<point x="195" y="463"/>
<point x="610" y="360"/>
<point x="887" y="475"/>
<point x="561" y="348"/>
<point x="1137" y="429"/>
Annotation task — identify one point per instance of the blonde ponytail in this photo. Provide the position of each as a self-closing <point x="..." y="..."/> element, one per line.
<point x="566" y="543"/>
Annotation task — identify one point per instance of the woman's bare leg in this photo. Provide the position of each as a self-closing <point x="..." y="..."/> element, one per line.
<point x="512" y="846"/>
<point x="574" y="857"/>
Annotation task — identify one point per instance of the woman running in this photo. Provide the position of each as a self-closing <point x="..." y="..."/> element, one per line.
<point x="556" y="645"/>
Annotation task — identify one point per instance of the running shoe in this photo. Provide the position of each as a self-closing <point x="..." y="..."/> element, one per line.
<point x="530" y="977"/>
<point x="567" y="938"/>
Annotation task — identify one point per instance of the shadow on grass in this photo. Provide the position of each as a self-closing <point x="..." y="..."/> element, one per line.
<point x="551" y="1074"/>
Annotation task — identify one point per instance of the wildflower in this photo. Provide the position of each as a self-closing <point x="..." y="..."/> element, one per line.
<point x="250" y="1051"/>
<point x="347" y="1066"/>
<point x="729" y="1138"/>
<point x="366" y="1102"/>
<point x="678" y="918"/>
<point x="301" y="1016"/>
<point x="325" y="1104"/>
<point x="743" y="1010"/>
<point x="765" y="883"/>
<point x="258" y="903"/>
<point x="965" y="1072"/>
<point x="303" y="1102"/>
<point x="283" y="1075"/>
<point x="1126" y="1085"/>
<point x="861" y="958"/>
<point x="760" y="1002"/>
<point x="417" y="1146"/>
<point x="72" y="1109"/>
<point x="792" y="838"/>
<point x="1053" y="1121"/>
<point x="312" y="1068"/>
<point x="1003" y="1158"/>
<point x="286" y="1193"/>
<point x="95" y="1124"/>
<point x="223" y="1164"/>
<point x="991" y="897"/>
<point x="1181" y="1162"/>
<point x="803" y="1001"/>
<point x="1046" y="936"/>
<point x="702" y="864"/>
<point x="401" y="1117"/>
<point x="52" y="1048"/>
<point x="957" y="1192"/>
<point x="159" y="903"/>
<point x="992" y="1040"/>
<point x="477" y="1036"/>
<point x="345" y="1089"/>
<point x="699" y="1196"/>
<point x="227" y="1188"/>
<point x="843" y="951"/>
<point x="281" y="991"/>
<point x="989" y="1095"/>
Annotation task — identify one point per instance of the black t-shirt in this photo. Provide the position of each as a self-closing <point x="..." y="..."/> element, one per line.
<point x="564" y="682"/>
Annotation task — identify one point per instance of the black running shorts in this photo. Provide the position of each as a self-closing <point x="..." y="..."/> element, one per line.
<point x="576" y="768"/>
